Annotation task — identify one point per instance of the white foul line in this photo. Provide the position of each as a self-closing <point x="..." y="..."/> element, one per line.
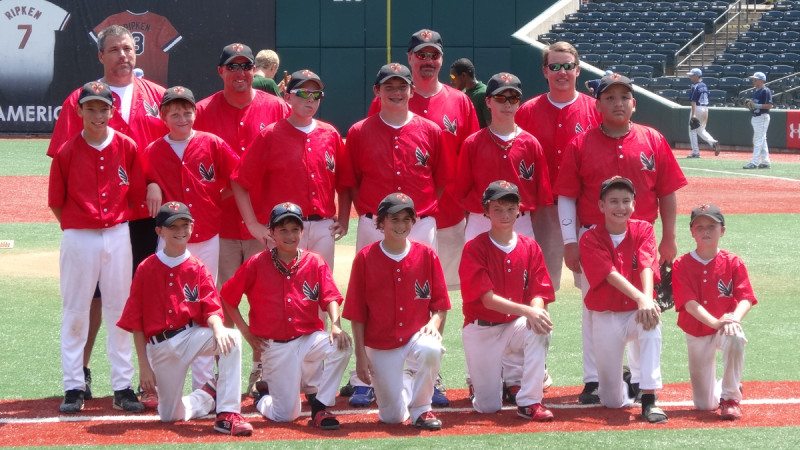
<point x="347" y="412"/>
<point x="726" y="172"/>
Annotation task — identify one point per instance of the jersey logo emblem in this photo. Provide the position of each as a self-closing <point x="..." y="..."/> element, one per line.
<point x="262" y="126"/>
<point x="635" y="262"/>
<point x="311" y="293"/>
<point x="123" y="176"/>
<point x="207" y="174"/>
<point x="151" y="109"/>
<point x="525" y="171"/>
<point x="725" y="290"/>
<point x="422" y="158"/>
<point x="190" y="294"/>
<point x="330" y="163"/>
<point x="451" y="126"/>
<point x="525" y="279"/>
<point x="578" y="128"/>
<point x="648" y="163"/>
<point x="424" y="291"/>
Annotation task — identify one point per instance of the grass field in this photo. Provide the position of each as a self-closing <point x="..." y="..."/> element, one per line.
<point x="30" y="319"/>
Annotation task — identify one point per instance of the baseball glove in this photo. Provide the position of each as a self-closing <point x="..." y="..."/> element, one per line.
<point x="694" y="123"/>
<point x="664" y="289"/>
<point x="750" y="104"/>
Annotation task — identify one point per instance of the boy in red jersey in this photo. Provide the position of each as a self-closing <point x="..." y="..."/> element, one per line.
<point x="506" y="289"/>
<point x="712" y="295"/>
<point x="395" y="323"/>
<point x="175" y="315"/>
<point x="618" y="257"/>
<point x="94" y="179"/>
<point x="286" y="288"/>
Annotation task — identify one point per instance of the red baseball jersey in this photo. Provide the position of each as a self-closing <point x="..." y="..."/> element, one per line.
<point x="642" y="155"/>
<point x="166" y="298"/>
<point x="238" y="127"/>
<point x="379" y="159"/>
<point x="555" y="127"/>
<point x="197" y="180"/>
<point x="394" y="300"/>
<point x="283" y="307"/>
<point x="286" y="164"/>
<point x="599" y="258"/>
<point x="454" y="113"/>
<point x="717" y="286"/>
<point x="144" y="125"/>
<point x="518" y="276"/>
<point x="96" y="188"/>
<point x="153" y="36"/>
<point x="482" y="160"/>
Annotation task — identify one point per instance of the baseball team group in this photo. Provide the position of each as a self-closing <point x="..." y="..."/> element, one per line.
<point x="173" y="209"/>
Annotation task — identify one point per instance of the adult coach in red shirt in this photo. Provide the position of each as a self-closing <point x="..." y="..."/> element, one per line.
<point x="455" y="114"/>
<point x="554" y="118"/>
<point x="136" y="102"/>
<point x="237" y="114"/>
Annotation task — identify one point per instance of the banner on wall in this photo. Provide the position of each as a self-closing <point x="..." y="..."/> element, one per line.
<point x="49" y="48"/>
<point x="793" y="129"/>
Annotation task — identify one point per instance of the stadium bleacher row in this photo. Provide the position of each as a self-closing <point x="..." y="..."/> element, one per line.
<point x="644" y="40"/>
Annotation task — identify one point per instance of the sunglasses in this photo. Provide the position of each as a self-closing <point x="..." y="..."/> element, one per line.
<point x="306" y="94"/>
<point x="233" y="67"/>
<point x="566" y="66"/>
<point x="433" y="56"/>
<point x="513" y="99"/>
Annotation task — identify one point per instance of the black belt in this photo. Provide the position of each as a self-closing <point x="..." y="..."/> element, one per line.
<point x="370" y="215"/>
<point x="313" y="218"/>
<point x="486" y="323"/>
<point x="168" y="334"/>
<point x="285" y="341"/>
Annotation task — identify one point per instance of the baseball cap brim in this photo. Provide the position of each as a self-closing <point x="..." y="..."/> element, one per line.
<point x="505" y="88"/>
<point x="427" y="44"/>
<point x="95" y="97"/>
<point x="171" y="219"/>
<point x="389" y="77"/>
<point x="288" y="214"/>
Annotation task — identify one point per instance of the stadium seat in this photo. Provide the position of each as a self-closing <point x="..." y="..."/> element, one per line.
<point x="748" y="36"/>
<point x="587" y="36"/>
<point x="658" y="61"/>
<point x="772" y="16"/>
<point x="790" y="36"/>
<point x="687" y="16"/>
<point x="792" y="15"/>
<point x="780" y="25"/>
<point x="662" y="6"/>
<point x="708" y="17"/>
<point x="605" y="36"/>
<point x="642" y="81"/>
<point x="712" y="70"/>
<point x="746" y="58"/>
<point x="719" y="5"/>
<point x="588" y="7"/>
<point x="622" y="69"/>
<point x="657" y="27"/>
<point x="790" y="59"/>
<point x="660" y="83"/>
<point x="613" y="16"/>
<point x="593" y="59"/>
<point x="724" y="59"/>
<point x="579" y="17"/>
<point x="619" y="26"/>
<point x="735" y="70"/>
<point x="645" y="36"/>
<point x="781" y="70"/>
<point x="717" y="97"/>
<point x="769" y="36"/>
<point x="669" y="94"/>
<point x="641" y="71"/>
<point x="632" y="16"/>
<point x="626" y="36"/>
<point x="696" y="27"/>
<point x="732" y="85"/>
<point x="757" y="47"/>
<point x="753" y="68"/>
<point x="602" y="48"/>
<point x="646" y="47"/>
<point x="778" y="47"/>
<point x="768" y="58"/>
<point x="633" y="58"/>
<point x="794" y="26"/>
<point x="597" y="26"/>
<point x="548" y="38"/>
<point x="569" y="36"/>
<point x="584" y="47"/>
<point x="701" y="6"/>
<point x="759" y="26"/>
<point x="610" y="59"/>
<point x="681" y="82"/>
<point x="682" y="37"/>
<point x="711" y="82"/>
<point x="737" y="47"/>
<point x="623" y="47"/>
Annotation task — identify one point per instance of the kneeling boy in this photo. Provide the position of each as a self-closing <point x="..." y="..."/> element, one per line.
<point x="175" y="315"/>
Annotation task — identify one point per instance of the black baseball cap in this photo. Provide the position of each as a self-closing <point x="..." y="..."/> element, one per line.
<point x="617" y="182"/>
<point x="96" y="90"/>
<point x="711" y="211"/>
<point x="425" y="38"/>
<point x="396" y="202"/>
<point x="285" y="210"/>
<point x="172" y="211"/>
<point x="500" y="189"/>
<point x="300" y="77"/>
<point x="612" y="80"/>
<point x="231" y="51"/>
<point x="177" y="93"/>
<point x="503" y="81"/>
<point x="393" y="70"/>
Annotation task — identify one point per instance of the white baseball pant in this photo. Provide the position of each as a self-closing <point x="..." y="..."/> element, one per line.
<point x="760" y="148"/>
<point x="208" y="253"/>
<point x="611" y="331"/>
<point x="701" y="112"/>
<point x="399" y="398"/>
<point x="89" y="256"/>
<point x="450" y="244"/>
<point x="548" y="236"/>
<point x="510" y="353"/>
<point x="478" y="223"/>
<point x="423" y="231"/>
<point x="706" y="390"/>
<point x="170" y="359"/>
<point x="310" y="362"/>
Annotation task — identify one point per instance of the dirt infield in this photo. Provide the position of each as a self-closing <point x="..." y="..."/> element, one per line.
<point x="35" y="422"/>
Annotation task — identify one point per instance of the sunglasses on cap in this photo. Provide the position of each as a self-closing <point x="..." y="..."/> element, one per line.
<point x="305" y="94"/>
<point x="513" y="99"/>
<point x="233" y="67"/>
<point x="428" y="55"/>
<point x="555" y="67"/>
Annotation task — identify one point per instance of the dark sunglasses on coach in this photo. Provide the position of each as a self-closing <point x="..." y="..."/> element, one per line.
<point x="428" y="55"/>
<point x="513" y="99"/>
<point x="306" y="94"/>
<point x="555" y="67"/>
<point x="233" y="67"/>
